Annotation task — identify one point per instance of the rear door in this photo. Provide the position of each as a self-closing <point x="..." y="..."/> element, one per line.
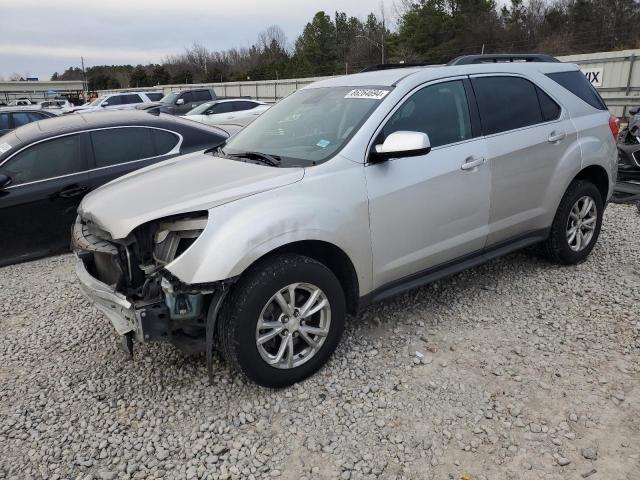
<point x="120" y="150"/>
<point x="527" y="134"/>
<point x="38" y="208"/>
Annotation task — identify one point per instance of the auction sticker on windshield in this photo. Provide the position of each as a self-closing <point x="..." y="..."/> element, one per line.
<point x="4" y="147"/>
<point x="370" y="93"/>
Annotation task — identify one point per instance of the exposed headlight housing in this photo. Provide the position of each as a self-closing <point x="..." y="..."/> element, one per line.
<point x="174" y="236"/>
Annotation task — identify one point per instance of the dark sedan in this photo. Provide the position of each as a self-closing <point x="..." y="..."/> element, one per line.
<point x="47" y="167"/>
<point x="14" y="117"/>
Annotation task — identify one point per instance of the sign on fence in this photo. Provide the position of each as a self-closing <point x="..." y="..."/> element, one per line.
<point x="594" y="75"/>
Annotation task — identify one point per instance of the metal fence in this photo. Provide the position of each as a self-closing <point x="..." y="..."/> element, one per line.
<point x="616" y="75"/>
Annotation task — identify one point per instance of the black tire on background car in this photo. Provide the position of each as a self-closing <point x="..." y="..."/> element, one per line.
<point x="276" y="342"/>
<point x="576" y="226"/>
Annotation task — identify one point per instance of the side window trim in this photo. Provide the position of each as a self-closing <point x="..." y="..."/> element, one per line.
<point x="57" y="177"/>
<point x="90" y="164"/>
<point x="399" y="105"/>
<point x="537" y="87"/>
<point x="175" y="150"/>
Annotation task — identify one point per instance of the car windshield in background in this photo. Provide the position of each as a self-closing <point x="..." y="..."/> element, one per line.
<point x="96" y="102"/>
<point x="200" y="109"/>
<point x="309" y="126"/>
<point x="169" y="98"/>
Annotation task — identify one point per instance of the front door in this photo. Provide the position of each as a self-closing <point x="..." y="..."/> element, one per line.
<point x="431" y="209"/>
<point x="38" y="207"/>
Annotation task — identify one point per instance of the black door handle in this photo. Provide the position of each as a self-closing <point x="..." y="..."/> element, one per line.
<point x="73" y="191"/>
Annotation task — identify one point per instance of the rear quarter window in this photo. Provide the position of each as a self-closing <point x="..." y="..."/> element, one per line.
<point x="577" y="83"/>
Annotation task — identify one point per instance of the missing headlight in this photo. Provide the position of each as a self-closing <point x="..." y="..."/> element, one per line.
<point x="173" y="237"/>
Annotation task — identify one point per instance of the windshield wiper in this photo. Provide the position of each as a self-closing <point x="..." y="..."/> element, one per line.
<point x="271" y="160"/>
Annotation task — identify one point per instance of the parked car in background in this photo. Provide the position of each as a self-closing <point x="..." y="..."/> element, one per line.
<point x="47" y="167"/>
<point x="20" y="102"/>
<point x="179" y="103"/>
<point x="57" y="106"/>
<point x="347" y="192"/>
<point x="14" y="117"/>
<point x="116" y="101"/>
<point x="226" y="110"/>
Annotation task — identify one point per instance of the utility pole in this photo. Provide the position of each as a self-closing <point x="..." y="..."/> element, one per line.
<point x="383" y="29"/>
<point x="85" y="87"/>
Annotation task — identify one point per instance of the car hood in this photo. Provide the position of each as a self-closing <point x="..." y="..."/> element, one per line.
<point x="183" y="184"/>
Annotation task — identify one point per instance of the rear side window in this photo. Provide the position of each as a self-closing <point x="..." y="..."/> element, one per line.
<point x="550" y="109"/>
<point x="49" y="159"/>
<point x="441" y="111"/>
<point x="577" y="83"/>
<point x="164" y="141"/>
<point x="506" y="103"/>
<point x="120" y="145"/>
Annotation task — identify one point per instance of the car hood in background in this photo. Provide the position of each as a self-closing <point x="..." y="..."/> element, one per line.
<point x="183" y="184"/>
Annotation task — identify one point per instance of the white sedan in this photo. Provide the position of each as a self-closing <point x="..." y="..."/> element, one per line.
<point x="221" y="111"/>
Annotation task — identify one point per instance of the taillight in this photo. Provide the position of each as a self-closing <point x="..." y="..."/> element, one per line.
<point x="613" y="125"/>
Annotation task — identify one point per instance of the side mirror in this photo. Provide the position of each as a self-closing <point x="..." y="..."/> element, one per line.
<point x="5" y="181"/>
<point x="104" y="104"/>
<point x="402" y="144"/>
<point x="180" y="101"/>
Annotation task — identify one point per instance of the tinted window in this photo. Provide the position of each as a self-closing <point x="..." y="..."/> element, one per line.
<point x="164" y="141"/>
<point x="187" y="97"/>
<point x="49" y="159"/>
<point x="201" y="96"/>
<point x="132" y="98"/>
<point x="441" y="111"/>
<point x="154" y="97"/>
<point x="550" y="109"/>
<point x="224" y="107"/>
<point x="506" y="103"/>
<point x="4" y="121"/>
<point x="22" y="118"/>
<point x="115" y="100"/>
<point x="577" y="83"/>
<point x="237" y="106"/>
<point x="119" y="145"/>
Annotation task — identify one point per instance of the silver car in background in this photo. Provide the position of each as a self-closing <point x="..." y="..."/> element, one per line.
<point x="347" y="192"/>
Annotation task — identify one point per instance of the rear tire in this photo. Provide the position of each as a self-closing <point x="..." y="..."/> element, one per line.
<point x="269" y="302"/>
<point x="577" y="223"/>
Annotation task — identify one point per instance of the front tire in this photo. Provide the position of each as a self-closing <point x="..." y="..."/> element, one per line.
<point x="282" y="320"/>
<point x="577" y="223"/>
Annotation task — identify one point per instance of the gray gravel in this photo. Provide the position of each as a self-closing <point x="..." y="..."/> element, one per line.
<point x="518" y="369"/>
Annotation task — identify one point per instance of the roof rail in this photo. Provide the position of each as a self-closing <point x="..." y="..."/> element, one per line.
<point x="389" y="66"/>
<point x="502" y="57"/>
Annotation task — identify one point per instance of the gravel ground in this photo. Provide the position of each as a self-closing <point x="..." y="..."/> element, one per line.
<point x="524" y="370"/>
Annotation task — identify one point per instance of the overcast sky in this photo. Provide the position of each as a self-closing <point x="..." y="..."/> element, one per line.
<point x="40" y="37"/>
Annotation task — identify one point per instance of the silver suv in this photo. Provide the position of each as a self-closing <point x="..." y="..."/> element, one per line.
<point x="347" y="192"/>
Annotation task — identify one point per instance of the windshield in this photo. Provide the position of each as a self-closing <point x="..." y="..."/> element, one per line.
<point x="309" y="126"/>
<point x="169" y="98"/>
<point x="200" y="109"/>
<point x="96" y="102"/>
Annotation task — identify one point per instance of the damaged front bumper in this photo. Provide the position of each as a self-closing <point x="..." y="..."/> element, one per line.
<point x="155" y="308"/>
<point x="114" y="305"/>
